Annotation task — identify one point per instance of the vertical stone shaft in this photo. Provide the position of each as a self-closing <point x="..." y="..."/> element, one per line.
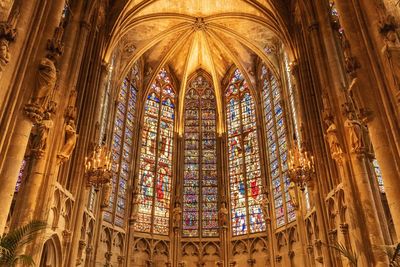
<point x="21" y="132"/>
<point x="384" y="138"/>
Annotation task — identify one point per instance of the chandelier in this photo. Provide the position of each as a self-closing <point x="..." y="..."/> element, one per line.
<point x="301" y="167"/>
<point x="98" y="167"/>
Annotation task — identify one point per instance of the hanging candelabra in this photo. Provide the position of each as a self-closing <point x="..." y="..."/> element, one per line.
<point x="301" y="167"/>
<point x="98" y="167"/>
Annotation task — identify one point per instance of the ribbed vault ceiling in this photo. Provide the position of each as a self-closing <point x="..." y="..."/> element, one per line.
<point x="186" y="35"/>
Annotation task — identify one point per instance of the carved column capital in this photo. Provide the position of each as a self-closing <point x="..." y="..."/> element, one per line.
<point x="278" y="258"/>
<point x="7" y="31"/>
<point x="387" y="28"/>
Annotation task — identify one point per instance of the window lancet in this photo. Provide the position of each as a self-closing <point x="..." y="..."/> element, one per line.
<point x="155" y="174"/>
<point x="276" y="134"/>
<point x="200" y="182"/>
<point x="243" y="159"/>
<point x="122" y="145"/>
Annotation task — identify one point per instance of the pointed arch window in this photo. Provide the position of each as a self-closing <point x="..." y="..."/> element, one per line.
<point x="243" y="159"/>
<point x="122" y="145"/>
<point x="276" y="133"/>
<point x="200" y="183"/>
<point x="155" y="174"/>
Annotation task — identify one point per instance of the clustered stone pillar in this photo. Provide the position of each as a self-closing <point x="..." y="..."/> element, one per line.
<point x="35" y="112"/>
<point x="382" y="137"/>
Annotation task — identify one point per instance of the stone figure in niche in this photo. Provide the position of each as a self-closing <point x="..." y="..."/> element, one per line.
<point x="4" y="54"/>
<point x="333" y="140"/>
<point x="105" y="201"/>
<point x="355" y="132"/>
<point x="177" y="215"/>
<point x="223" y="215"/>
<point x="45" y="82"/>
<point x="135" y="204"/>
<point x="41" y="133"/>
<point x="293" y="195"/>
<point x="264" y="206"/>
<point x="69" y="142"/>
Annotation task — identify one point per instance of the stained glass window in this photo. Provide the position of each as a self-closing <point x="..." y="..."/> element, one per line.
<point x="122" y="144"/>
<point x="276" y="134"/>
<point x="243" y="159"/>
<point x="156" y="157"/>
<point x="200" y="184"/>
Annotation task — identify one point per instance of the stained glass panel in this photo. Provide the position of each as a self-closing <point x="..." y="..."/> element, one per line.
<point x="122" y="146"/>
<point x="155" y="172"/>
<point x="244" y="159"/>
<point x="200" y="172"/>
<point x="277" y="147"/>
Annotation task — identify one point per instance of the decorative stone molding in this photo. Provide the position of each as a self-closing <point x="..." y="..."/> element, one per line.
<point x="121" y="259"/>
<point x="8" y="34"/>
<point x="278" y="258"/>
<point x="82" y="244"/>
<point x="251" y="262"/>
<point x="319" y="259"/>
<point x="199" y="24"/>
<point x="66" y="234"/>
<point x="344" y="228"/>
<point x="310" y="249"/>
<point x="387" y="28"/>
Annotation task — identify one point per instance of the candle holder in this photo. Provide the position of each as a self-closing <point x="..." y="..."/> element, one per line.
<point x="98" y="167"/>
<point x="301" y="167"/>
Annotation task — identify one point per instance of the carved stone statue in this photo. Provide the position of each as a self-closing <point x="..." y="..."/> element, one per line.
<point x="333" y="140"/>
<point x="293" y="195"/>
<point x="41" y="132"/>
<point x="4" y="54"/>
<point x="223" y="215"/>
<point x="69" y="142"/>
<point x="355" y="132"/>
<point x="45" y="82"/>
<point x="105" y="200"/>
<point x="177" y="215"/>
<point x="135" y="204"/>
<point x="264" y="207"/>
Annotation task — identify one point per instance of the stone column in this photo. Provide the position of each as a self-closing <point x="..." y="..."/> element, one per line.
<point x="384" y="141"/>
<point x="303" y="102"/>
<point x="361" y="181"/>
<point x="43" y="90"/>
<point x="13" y="161"/>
